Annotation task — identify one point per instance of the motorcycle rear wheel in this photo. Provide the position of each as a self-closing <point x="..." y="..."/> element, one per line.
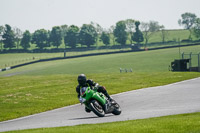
<point x="97" y="108"/>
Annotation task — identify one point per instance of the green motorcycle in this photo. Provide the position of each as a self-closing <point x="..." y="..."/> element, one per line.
<point x="98" y="103"/>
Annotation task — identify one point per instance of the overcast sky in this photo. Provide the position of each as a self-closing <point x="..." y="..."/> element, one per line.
<point x="37" y="14"/>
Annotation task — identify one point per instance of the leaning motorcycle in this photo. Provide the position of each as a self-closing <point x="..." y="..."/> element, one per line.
<point x="98" y="103"/>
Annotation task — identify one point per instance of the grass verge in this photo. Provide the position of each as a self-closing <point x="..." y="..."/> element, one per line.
<point x="184" y="123"/>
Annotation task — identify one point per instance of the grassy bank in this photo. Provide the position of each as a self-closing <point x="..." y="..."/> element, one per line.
<point x="185" y="123"/>
<point x="146" y="61"/>
<point x="19" y="58"/>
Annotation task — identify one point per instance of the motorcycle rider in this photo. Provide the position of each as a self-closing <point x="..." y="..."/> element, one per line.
<point x="83" y="82"/>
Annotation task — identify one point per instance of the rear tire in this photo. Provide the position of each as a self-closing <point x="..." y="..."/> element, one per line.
<point x="97" y="108"/>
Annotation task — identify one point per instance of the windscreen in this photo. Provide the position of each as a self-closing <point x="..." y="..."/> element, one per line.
<point x="82" y="91"/>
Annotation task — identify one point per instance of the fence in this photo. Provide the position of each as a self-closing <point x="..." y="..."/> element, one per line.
<point x="125" y="70"/>
<point x="194" y="64"/>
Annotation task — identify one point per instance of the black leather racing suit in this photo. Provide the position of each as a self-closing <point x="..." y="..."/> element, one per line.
<point x="91" y="84"/>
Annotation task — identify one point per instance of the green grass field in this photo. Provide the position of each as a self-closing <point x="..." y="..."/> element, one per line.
<point x="173" y="35"/>
<point x="147" y="61"/>
<point x="19" y="58"/>
<point x="185" y="123"/>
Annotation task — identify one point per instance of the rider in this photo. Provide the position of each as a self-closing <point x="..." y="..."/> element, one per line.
<point x="83" y="82"/>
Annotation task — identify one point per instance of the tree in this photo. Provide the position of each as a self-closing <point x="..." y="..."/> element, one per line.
<point x="164" y="34"/>
<point x="149" y="29"/>
<point x="9" y="37"/>
<point x="105" y="38"/>
<point x="64" y="29"/>
<point x="55" y="36"/>
<point x="25" y="42"/>
<point x="71" y="37"/>
<point x="187" y="20"/>
<point x="1" y="38"/>
<point x="111" y="32"/>
<point x="40" y="38"/>
<point x="130" y="26"/>
<point x="88" y="35"/>
<point x="120" y="32"/>
<point x="196" y="29"/>
<point x="18" y="35"/>
<point x="98" y="29"/>
<point x="137" y="35"/>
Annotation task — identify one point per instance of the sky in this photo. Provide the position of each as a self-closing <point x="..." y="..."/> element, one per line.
<point x="44" y="14"/>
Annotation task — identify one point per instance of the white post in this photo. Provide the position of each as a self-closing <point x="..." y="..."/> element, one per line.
<point x="183" y="55"/>
<point x="199" y="62"/>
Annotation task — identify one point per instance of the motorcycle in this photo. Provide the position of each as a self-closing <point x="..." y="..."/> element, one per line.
<point x="98" y="103"/>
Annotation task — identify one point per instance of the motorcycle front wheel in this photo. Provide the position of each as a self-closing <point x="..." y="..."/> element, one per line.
<point x="117" y="110"/>
<point x="97" y="108"/>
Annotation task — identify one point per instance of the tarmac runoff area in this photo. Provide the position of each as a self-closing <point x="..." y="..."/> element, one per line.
<point x="177" y="98"/>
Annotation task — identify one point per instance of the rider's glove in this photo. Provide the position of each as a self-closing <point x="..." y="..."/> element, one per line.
<point x="96" y="86"/>
<point x="81" y="100"/>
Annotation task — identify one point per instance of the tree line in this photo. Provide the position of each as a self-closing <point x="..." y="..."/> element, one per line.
<point x="89" y="34"/>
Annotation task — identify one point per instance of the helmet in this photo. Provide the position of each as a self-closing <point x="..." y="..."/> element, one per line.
<point x="82" y="79"/>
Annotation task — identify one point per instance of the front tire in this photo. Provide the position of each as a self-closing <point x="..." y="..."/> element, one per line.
<point x="97" y="108"/>
<point x="117" y="110"/>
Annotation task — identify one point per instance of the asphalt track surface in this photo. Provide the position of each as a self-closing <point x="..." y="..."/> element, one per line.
<point x="176" y="98"/>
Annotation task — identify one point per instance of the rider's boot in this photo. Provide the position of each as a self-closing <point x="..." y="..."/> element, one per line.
<point x="108" y="96"/>
<point x="87" y="110"/>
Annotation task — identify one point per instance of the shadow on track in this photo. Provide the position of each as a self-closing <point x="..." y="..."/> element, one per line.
<point x="94" y="117"/>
